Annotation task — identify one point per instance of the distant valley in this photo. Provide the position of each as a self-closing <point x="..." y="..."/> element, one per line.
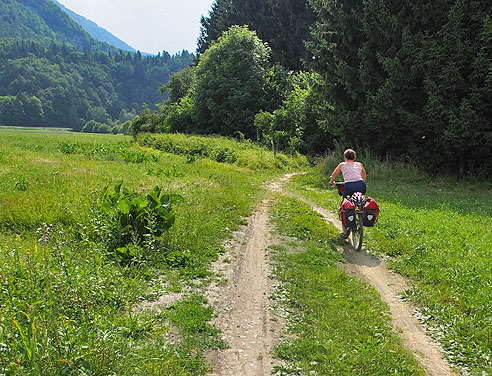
<point x="59" y="72"/>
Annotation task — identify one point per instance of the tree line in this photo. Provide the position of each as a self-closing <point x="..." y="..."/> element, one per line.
<point x="410" y="79"/>
<point x="407" y="80"/>
<point x="235" y="91"/>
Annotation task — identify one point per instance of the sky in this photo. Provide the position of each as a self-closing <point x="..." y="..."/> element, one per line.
<point x="147" y="25"/>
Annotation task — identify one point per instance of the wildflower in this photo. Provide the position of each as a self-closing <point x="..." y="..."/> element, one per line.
<point x="45" y="231"/>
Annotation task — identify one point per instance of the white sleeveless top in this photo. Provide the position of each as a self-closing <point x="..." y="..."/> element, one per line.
<point x="351" y="171"/>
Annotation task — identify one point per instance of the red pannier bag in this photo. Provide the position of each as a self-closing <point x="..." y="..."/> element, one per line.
<point x="347" y="213"/>
<point x="371" y="211"/>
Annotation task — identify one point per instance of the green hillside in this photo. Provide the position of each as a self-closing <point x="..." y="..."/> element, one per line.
<point x="43" y="20"/>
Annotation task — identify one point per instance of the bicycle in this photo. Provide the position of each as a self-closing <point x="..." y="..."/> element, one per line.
<point x="356" y="229"/>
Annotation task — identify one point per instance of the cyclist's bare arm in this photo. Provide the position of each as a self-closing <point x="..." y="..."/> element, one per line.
<point x="363" y="173"/>
<point x="335" y="173"/>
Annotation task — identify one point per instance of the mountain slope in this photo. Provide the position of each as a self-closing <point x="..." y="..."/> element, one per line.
<point x="43" y="20"/>
<point x="95" y="30"/>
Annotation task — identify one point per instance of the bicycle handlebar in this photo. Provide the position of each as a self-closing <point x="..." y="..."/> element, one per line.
<point x="339" y="185"/>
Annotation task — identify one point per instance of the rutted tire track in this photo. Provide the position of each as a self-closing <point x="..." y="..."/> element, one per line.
<point x="243" y="305"/>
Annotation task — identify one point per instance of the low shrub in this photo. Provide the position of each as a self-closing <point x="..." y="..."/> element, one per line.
<point x="119" y="151"/>
<point x="222" y="150"/>
<point x="129" y="223"/>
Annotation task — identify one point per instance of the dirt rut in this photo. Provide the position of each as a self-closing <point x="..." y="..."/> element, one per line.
<point x="243" y="304"/>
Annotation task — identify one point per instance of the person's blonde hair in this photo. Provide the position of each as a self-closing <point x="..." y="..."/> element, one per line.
<point x="350" y="154"/>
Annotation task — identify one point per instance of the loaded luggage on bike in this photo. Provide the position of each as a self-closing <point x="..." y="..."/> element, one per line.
<point x="371" y="212"/>
<point x="347" y="213"/>
<point x="356" y="211"/>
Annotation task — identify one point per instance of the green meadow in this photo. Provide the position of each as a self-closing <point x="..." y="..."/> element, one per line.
<point x="93" y="227"/>
<point x="70" y="292"/>
<point x="438" y="233"/>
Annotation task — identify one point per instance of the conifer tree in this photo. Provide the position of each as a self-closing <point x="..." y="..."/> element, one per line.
<point x="284" y="25"/>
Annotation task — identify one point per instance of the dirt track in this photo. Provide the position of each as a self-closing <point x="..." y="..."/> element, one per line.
<point x="243" y="303"/>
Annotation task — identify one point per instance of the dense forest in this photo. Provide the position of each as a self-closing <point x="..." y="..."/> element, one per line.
<point x="59" y="86"/>
<point x="409" y="79"/>
<point x="404" y="80"/>
<point x="55" y="74"/>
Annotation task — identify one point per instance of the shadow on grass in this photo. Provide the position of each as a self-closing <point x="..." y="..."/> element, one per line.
<point x="360" y="258"/>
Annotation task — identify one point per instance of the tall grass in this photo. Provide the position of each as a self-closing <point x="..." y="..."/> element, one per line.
<point x="66" y="305"/>
<point x="438" y="232"/>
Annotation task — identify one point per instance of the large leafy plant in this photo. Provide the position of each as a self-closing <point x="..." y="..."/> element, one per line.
<point x="134" y="220"/>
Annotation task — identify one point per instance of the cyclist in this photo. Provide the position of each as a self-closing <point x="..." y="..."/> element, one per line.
<point x="354" y="176"/>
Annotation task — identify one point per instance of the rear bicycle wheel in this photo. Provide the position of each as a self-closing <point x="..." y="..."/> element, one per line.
<point x="358" y="234"/>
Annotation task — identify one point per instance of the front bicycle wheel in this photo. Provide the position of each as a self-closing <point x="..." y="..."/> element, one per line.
<point x="358" y="234"/>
